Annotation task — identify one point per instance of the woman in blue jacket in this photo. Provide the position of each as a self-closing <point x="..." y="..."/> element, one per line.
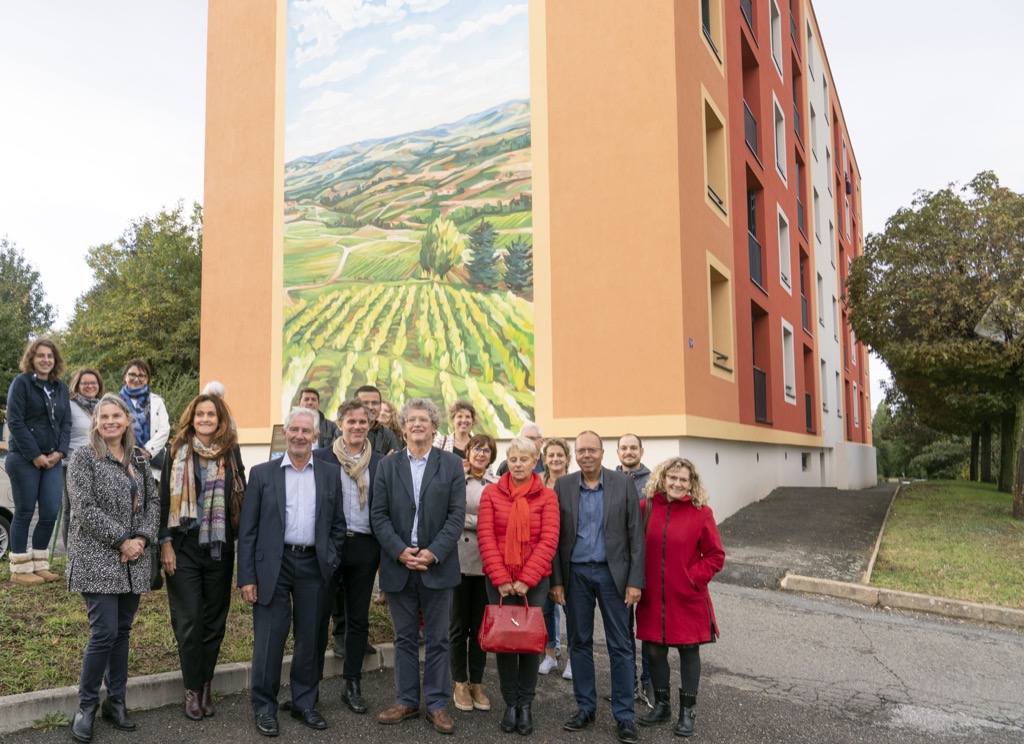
<point x="39" y="417"/>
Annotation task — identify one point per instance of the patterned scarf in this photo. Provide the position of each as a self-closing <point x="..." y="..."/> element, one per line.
<point x="184" y="505"/>
<point x="138" y="404"/>
<point x="517" y="534"/>
<point x="353" y="467"/>
<point x="87" y="404"/>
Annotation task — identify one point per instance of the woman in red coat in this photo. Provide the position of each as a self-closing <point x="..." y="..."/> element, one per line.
<point x="517" y="531"/>
<point x="684" y="552"/>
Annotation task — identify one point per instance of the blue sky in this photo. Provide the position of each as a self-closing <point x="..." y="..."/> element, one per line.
<point x="358" y="71"/>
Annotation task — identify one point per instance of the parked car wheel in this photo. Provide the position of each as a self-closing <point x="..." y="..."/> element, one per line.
<point x="5" y="536"/>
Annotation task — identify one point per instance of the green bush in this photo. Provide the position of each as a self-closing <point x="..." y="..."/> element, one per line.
<point x="946" y="460"/>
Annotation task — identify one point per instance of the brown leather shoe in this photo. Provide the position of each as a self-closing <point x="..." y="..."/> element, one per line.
<point x="397" y="713"/>
<point x="206" y="700"/>
<point x="443" y="723"/>
<point x="193" y="704"/>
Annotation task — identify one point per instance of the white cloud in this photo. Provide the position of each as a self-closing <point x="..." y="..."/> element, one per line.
<point x="321" y="23"/>
<point x="413" y="31"/>
<point x="491" y="20"/>
<point x="341" y="69"/>
<point x="425" y="6"/>
<point x="414" y="61"/>
<point x="492" y="69"/>
<point x="330" y="99"/>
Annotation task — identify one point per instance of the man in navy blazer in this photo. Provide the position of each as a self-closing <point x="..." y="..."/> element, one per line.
<point x="600" y="560"/>
<point x="418" y="511"/>
<point x="352" y="586"/>
<point x="290" y="539"/>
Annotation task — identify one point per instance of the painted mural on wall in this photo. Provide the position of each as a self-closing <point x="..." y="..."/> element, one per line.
<point x="408" y="243"/>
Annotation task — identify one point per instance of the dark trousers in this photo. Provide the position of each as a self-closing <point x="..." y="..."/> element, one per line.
<point x="106" y="655"/>
<point x="689" y="667"/>
<point x="405" y="607"/>
<point x="645" y="669"/>
<point x="468" y="601"/>
<point x="591" y="585"/>
<point x="32" y="487"/>
<point x="517" y="673"/>
<point x="351" y="589"/>
<point x="199" y="595"/>
<point x="300" y="597"/>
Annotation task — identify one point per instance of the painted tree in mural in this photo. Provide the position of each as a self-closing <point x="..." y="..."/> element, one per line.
<point x="519" y="267"/>
<point x="483" y="266"/>
<point x="441" y="248"/>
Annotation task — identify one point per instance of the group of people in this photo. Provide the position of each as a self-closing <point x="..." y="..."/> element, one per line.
<point x="378" y="491"/>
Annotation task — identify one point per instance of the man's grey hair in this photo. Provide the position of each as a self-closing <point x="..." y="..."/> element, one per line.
<point x="527" y="426"/>
<point x="423" y="404"/>
<point x="214" y="387"/>
<point x="297" y="411"/>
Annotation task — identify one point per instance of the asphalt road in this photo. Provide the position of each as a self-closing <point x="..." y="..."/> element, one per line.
<point x="787" y="668"/>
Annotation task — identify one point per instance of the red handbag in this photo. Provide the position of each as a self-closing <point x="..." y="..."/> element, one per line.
<point x="516" y="629"/>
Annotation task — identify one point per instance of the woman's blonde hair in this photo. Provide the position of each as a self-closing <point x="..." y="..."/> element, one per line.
<point x="524" y="446"/>
<point x="555" y="442"/>
<point x="127" y="439"/>
<point x="657" y="482"/>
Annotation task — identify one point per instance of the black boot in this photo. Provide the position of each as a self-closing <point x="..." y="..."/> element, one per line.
<point x="686" y="715"/>
<point x="662" y="710"/>
<point x="353" y="696"/>
<point x="81" y="724"/>
<point x="525" y="723"/>
<point x="510" y="720"/>
<point x="115" y="712"/>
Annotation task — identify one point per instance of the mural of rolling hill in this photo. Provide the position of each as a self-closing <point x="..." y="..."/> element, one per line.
<point x="408" y="265"/>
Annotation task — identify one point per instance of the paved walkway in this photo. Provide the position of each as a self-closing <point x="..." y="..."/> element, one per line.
<point x="821" y="532"/>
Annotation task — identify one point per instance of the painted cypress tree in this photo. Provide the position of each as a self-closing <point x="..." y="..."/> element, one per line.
<point x="519" y="267"/>
<point x="483" y="265"/>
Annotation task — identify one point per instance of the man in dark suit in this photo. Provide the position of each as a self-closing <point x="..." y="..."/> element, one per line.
<point x="600" y="560"/>
<point x="418" y="511"/>
<point x="352" y="585"/>
<point x="289" y="544"/>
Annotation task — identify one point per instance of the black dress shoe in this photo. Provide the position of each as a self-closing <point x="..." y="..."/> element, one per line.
<point x="115" y="712"/>
<point x="266" y="724"/>
<point x="310" y="718"/>
<point x="353" y="696"/>
<point x="81" y="724"/>
<point x="286" y="705"/>
<point x="370" y="650"/>
<point x="627" y="732"/>
<point x="510" y="720"/>
<point x="579" y="721"/>
<point x="525" y="723"/>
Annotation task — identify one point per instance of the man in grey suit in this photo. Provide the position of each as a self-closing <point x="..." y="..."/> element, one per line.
<point x="418" y="511"/>
<point x="289" y="544"/>
<point x="600" y="560"/>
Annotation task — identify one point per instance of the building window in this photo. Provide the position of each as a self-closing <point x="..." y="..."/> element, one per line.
<point x="832" y="241"/>
<point x="824" y="90"/>
<point x="824" y="386"/>
<point x="810" y="51"/>
<point x="760" y="332"/>
<point x="780" y="138"/>
<point x="788" y="363"/>
<point x="853" y="348"/>
<point x="817" y="215"/>
<point x="715" y="161"/>
<point x="753" y="244"/>
<point x="839" y="396"/>
<point x="856" y="406"/>
<point x="835" y="318"/>
<point x="785" y="254"/>
<point x="776" y="36"/>
<point x="820" y="299"/>
<point x="711" y="25"/>
<point x="828" y="167"/>
<point x="805" y="313"/>
<point x="720" y="300"/>
<point x="814" y="131"/>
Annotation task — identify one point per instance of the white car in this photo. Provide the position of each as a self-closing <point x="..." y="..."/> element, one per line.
<point x="6" y="508"/>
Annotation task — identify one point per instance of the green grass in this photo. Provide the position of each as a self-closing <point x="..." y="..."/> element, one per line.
<point x="45" y="630"/>
<point x="953" y="539"/>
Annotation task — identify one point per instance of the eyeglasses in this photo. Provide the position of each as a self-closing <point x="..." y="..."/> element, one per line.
<point x="587" y="451"/>
<point x="481" y="450"/>
<point x="137" y="376"/>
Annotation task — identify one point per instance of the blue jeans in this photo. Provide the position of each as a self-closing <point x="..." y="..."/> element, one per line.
<point x="551" y="622"/>
<point x="589" y="585"/>
<point x="110" y="621"/>
<point x="32" y="486"/>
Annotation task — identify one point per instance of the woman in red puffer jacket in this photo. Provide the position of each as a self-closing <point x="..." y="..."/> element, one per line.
<point x="517" y="530"/>
<point x="684" y="552"/>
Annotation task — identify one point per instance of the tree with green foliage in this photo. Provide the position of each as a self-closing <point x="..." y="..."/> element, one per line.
<point x="483" y="268"/>
<point x="441" y="248"/>
<point x="24" y="311"/>
<point x="938" y="296"/>
<point x="145" y="302"/>
<point x="519" y="267"/>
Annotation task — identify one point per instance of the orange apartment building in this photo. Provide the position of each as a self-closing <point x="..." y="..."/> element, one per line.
<point x="696" y="204"/>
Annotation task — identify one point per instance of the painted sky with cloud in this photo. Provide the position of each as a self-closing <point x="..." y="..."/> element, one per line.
<point x="362" y="69"/>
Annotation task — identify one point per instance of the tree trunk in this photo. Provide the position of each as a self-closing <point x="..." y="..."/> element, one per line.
<point x="1007" y="450"/>
<point x="1018" y="481"/>
<point x="975" y="454"/>
<point x="986" y="453"/>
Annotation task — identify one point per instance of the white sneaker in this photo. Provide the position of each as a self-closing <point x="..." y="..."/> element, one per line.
<point x="547" y="664"/>
<point x="567" y="674"/>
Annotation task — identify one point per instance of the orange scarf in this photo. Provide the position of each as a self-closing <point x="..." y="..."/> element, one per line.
<point x="517" y="534"/>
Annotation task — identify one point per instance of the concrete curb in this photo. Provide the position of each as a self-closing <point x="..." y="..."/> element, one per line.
<point x="18" y="712"/>
<point x="892" y="599"/>
<point x="866" y="578"/>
